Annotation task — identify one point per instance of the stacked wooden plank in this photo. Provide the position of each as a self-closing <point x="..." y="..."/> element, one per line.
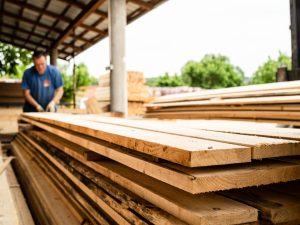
<point x="171" y="166"/>
<point x="11" y="92"/>
<point x="13" y="207"/>
<point x="11" y="102"/>
<point x="137" y="92"/>
<point x="276" y="102"/>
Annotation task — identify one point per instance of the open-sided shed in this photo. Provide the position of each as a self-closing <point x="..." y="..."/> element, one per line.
<point x="66" y="25"/>
<point x="64" y="28"/>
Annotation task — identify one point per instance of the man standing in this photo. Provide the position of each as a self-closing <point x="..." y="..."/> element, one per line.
<point x="42" y="85"/>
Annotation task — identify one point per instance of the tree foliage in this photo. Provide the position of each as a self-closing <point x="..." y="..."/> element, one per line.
<point x="13" y="60"/>
<point x="213" y="71"/>
<point x="266" y="73"/>
<point x="82" y="79"/>
<point x="166" y="81"/>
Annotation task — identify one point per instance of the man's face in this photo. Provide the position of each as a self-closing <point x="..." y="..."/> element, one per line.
<point x="40" y="64"/>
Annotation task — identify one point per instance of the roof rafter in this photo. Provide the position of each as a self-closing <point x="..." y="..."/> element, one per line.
<point x="82" y="6"/>
<point x="91" y="7"/>
<point x="142" y="4"/>
<point x="43" y="11"/>
<point x="27" y="32"/>
<point x="38" y="20"/>
<point x="22" y="18"/>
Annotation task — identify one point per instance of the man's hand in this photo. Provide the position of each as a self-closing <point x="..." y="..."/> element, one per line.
<point x="51" y="107"/>
<point x="39" y="108"/>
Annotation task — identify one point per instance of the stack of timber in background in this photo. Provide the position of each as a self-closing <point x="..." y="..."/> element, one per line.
<point x="161" y="91"/>
<point x="163" y="172"/>
<point x="137" y="93"/>
<point x="11" y="103"/>
<point x="276" y="102"/>
<point x="11" y="93"/>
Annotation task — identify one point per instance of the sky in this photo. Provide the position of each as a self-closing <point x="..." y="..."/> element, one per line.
<point x="164" y="39"/>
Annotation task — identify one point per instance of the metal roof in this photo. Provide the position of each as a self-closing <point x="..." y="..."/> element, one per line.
<point x="70" y="26"/>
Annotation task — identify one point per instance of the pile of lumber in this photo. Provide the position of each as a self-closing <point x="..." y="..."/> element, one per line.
<point x="151" y="172"/>
<point x="13" y="207"/>
<point x="11" y="102"/>
<point x="137" y="93"/>
<point x="161" y="91"/>
<point x="11" y="92"/>
<point x="276" y="102"/>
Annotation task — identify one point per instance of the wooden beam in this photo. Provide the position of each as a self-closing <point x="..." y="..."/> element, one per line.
<point x="91" y="7"/>
<point x="261" y="147"/>
<point x="82" y="6"/>
<point x="145" y="5"/>
<point x="186" y="151"/>
<point x="33" y="22"/>
<point x="41" y="11"/>
<point x="41" y="45"/>
<point x="193" y="180"/>
<point x="88" y="28"/>
<point x="27" y="32"/>
<point x="273" y="207"/>
<point x="239" y="127"/>
<point x="38" y="19"/>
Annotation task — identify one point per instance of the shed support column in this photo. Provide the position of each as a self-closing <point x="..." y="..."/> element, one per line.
<point x="53" y="57"/>
<point x="118" y="75"/>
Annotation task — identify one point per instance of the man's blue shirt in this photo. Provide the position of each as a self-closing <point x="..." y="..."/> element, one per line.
<point x="42" y="87"/>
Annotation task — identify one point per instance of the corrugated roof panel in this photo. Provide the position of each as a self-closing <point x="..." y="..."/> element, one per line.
<point x="62" y="25"/>
<point x="56" y="7"/>
<point x="79" y="30"/>
<point x="5" y="38"/>
<point x="40" y="3"/>
<point x="8" y="29"/>
<point x="69" y="50"/>
<point x="22" y="34"/>
<point x="73" y="12"/>
<point x="12" y="8"/>
<point x="46" y="42"/>
<point x="52" y="15"/>
<point x="47" y="20"/>
<point x="30" y="14"/>
<point x="79" y="43"/>
<point x="131" y="7"/>
<point x="91" y="19"/>
<point x="90" y="35"/>
<point x="60" y="47"/>
<point x="26" y="26"/>
<point x="40" y="30"/>
<point x="103" y="25"/>
<point x="9" y="20"/>
<point x="68" y="40"/>
<point x="53" y="35"/>
<point x="35" y="38"/>
<point x="30" y="46"/>
<point x="18" y="42"/>
<point x="85" y="2"/>
<point x="104" y="7"/>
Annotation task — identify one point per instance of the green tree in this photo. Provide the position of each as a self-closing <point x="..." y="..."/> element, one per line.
<point x="13" y="59"/>
<point x="82" y="76"/>
<point x="266" y="73"/>
<point x="166" y="81"/>
<point x="213" y="71"/>
<point x="82" y="79"/>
